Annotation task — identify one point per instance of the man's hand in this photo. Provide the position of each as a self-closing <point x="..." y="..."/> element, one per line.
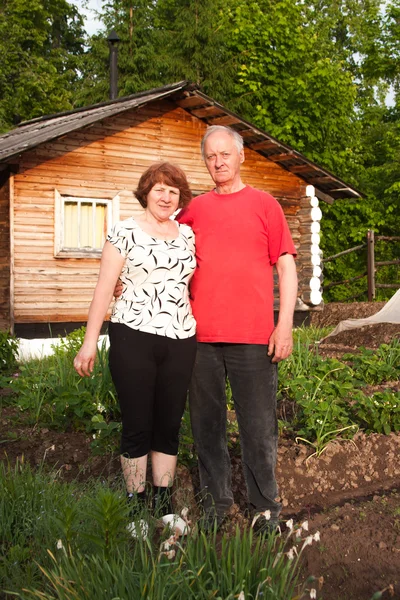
<point x="118" y="289"/>
<point x="280" y="343"/>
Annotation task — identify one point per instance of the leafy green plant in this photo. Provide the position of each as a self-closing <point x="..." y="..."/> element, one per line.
<point x="106" y="436"/>
<point x="53" y="392"/>
<point x="376" y="366"/>
<point x="78" y="535"/>
<point x="379" y="413"/>
<point x="321" y="417"/>
<point x="8" y="351"/>
<point x="186" y="452"/>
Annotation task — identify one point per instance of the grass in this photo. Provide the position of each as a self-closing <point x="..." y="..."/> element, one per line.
<point x="70" y="541"/>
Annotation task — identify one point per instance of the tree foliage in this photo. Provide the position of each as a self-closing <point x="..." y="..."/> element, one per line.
<point x="41" y="42"/>
<point x="313" y="73"/>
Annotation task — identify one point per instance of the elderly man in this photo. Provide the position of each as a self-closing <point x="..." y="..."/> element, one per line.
<point x="241" y="233"/>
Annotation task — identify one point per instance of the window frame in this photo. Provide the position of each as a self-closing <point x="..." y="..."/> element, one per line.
<point x="60" y="250"/>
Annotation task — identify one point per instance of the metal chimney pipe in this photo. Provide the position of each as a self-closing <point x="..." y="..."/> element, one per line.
<point x="113" y="40"/>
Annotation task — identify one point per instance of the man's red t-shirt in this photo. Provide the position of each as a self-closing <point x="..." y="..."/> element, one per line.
<point x="239" y="237"/>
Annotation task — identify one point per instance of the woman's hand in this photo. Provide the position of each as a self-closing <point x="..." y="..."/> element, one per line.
<point x="84" y="360"/>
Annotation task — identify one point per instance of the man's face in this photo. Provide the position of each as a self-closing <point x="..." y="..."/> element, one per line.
<point x="222" y="158"/>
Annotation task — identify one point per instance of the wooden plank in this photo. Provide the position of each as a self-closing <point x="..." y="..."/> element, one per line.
<point x="323" y="196"/>
<point x="5" y="255"/>
<point x="12" y="253"/>
<point x="301" y="169"/>
<point x="280" y="157"/>
<point x="192" y="102"/>
<point x="248" y="132"/>
<point x="264" y="145"/>
<point x="207" y="111"/>
<point x="322" y="179"/>
<point x="226" y="120"/>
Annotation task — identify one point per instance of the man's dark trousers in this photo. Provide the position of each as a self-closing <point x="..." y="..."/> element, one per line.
<point x="253" y="380"/>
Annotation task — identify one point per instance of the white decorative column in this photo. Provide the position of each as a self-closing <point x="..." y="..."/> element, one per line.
<point x="316" y="215"/>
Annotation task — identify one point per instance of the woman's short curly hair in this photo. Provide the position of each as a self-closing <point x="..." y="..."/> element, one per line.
<point x="168" y="174"/>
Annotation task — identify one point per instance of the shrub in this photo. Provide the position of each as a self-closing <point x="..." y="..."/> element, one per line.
<point x="8" y="351"/>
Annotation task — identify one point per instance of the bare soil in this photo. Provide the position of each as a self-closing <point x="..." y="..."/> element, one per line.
<point x="350" y="494"/>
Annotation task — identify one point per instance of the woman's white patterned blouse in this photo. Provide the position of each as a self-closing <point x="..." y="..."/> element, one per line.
<point x="155" y="278"/>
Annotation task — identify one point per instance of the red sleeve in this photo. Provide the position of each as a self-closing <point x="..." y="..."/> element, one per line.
<point x="279" y="237"/>
<point x="185" y="216"/>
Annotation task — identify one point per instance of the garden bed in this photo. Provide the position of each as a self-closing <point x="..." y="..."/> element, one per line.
<point x="350" y="493"/>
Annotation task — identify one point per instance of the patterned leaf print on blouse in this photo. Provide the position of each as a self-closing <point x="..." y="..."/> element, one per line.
<point x="155" y="278"/>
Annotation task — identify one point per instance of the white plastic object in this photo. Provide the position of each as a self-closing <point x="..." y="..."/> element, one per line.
<point x="139" y="529"/>
<point x="176" y="524"/>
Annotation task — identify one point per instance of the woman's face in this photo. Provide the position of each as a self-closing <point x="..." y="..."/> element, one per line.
<point x="162" y="201"/>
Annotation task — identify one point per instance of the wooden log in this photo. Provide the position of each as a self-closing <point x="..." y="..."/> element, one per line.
<point x="264" y="145"/>
<point x="207" y="111"/>
<point x="192" y="102"/>
<point x="225" y="120"/>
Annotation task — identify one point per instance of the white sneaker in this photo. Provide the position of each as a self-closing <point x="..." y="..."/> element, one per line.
<point x="139" y="529"/>
<point x="176" y="524"/>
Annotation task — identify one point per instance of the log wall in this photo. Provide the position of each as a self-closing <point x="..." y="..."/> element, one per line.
<point x="5" y="317"/>
<point x="102" y="161"/>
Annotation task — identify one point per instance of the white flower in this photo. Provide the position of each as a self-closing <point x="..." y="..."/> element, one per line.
<point x="184" y="512"/>
<point x="289" y="524"/>
<point x="59" y="545"/>
<point x="241" y="596"/>
<point x="277" y="558"/>
<point x="291" y="553"/>
<point x="305" y="525"/>
<point x="308" y="541"/>
<point x="267" y="514"/>
<point x="170" y="555"/>
<point x="313" y="593"/>
<point x="171" y="541"/>
<point x="317" y="536"/>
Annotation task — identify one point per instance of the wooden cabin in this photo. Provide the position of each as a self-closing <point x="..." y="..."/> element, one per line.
<point x="66" y="178"/>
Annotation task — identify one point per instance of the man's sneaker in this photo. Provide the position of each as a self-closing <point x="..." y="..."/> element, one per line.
<point x="264" y="525"/>
<point x="210" y="522"/>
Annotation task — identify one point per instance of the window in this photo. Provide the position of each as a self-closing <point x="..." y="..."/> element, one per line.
<point x="82" y="225"/>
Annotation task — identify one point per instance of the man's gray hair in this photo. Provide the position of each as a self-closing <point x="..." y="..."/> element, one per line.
<point x="237" y="138"/>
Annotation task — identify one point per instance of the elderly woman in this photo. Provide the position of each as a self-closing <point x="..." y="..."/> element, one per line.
<point x="151" y="330"/>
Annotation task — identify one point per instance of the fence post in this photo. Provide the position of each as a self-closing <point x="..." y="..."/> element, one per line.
<point x="371" y="264"/>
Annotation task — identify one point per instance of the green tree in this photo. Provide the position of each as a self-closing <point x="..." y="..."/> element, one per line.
<point x="298" y="93"/>
<point x="161" y="42"/>
<point x="345" y="223"/>
<point x="41" y="43"/>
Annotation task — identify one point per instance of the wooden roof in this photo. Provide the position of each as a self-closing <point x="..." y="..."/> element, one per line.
<point x="30" y="134"/>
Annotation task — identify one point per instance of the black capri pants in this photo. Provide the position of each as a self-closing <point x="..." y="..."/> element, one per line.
<point x="151" y="374"/>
